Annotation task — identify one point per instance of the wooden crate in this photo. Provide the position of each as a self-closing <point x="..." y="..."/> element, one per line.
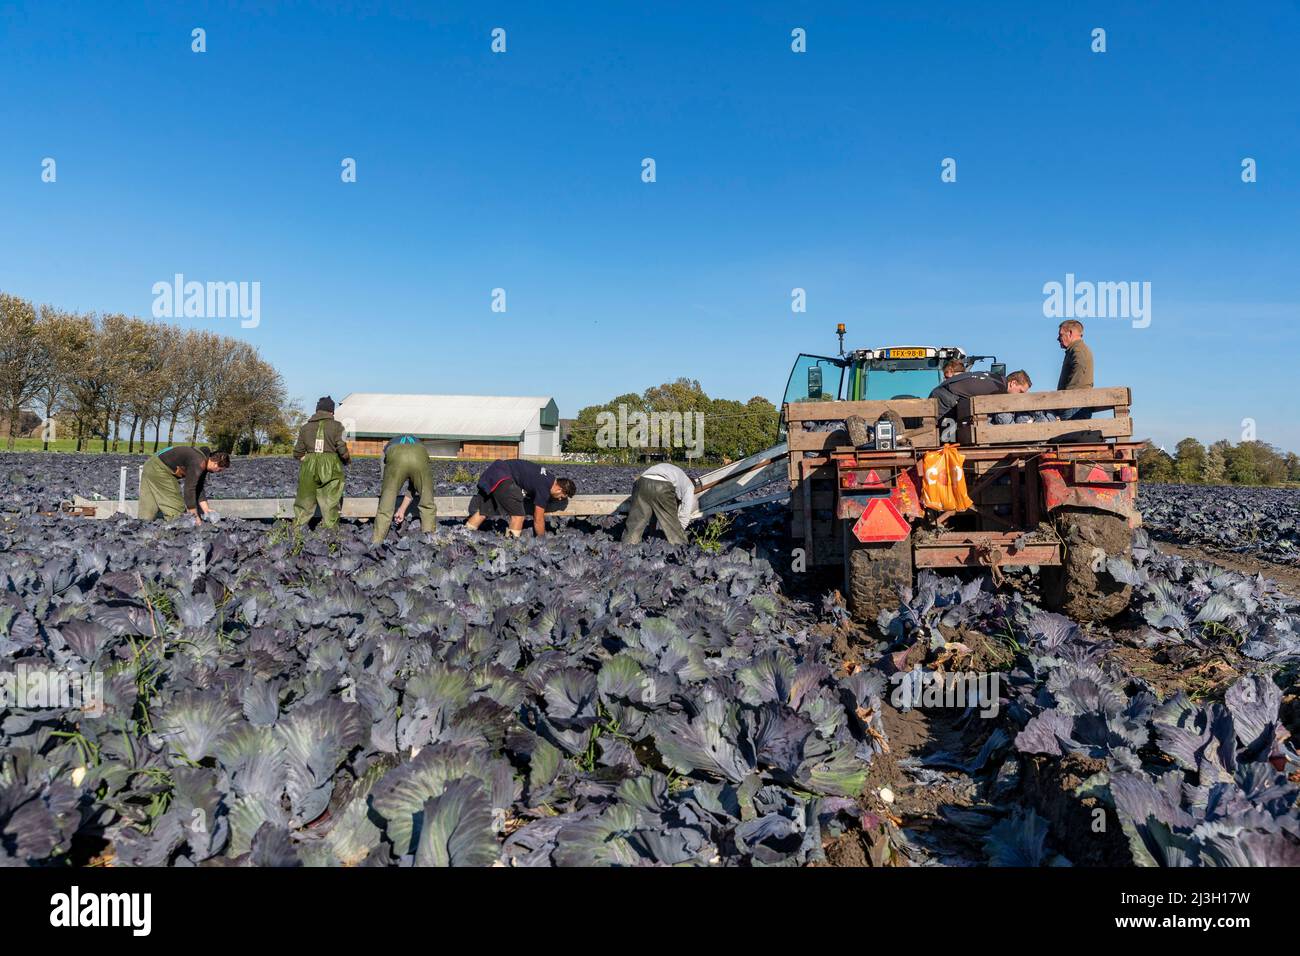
<point x="977" y="413"/>
<point x="799" y="414"/>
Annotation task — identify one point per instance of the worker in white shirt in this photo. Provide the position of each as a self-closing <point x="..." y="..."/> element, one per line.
<point x="667" y="494"/>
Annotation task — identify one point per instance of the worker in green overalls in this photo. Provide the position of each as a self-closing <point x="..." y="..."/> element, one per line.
<point x="323" y="453"/>
<point x="159" y="492"/>
<point x="405" y="460"/>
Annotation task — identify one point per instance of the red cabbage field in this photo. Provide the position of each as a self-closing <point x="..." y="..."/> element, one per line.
<point x="243" y="694"/>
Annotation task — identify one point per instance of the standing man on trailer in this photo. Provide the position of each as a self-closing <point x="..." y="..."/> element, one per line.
<point x="508" y="486"/>
<point x="159" y="492"/>
<point x="1076" y="366"/>
<point x="323" y="453"/>
<point x="667" y="494"/>
<point x="406" y="462"/>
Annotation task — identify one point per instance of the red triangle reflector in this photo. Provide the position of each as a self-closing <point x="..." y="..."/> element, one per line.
<point x="880" y="521"/>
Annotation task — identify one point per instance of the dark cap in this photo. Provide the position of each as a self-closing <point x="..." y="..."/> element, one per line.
<point x="326" y="404"/>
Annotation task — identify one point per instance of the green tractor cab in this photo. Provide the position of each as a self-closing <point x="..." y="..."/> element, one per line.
<point x="875" y="374"/>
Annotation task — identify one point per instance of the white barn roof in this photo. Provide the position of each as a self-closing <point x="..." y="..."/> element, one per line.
<point x="448" y="417"/>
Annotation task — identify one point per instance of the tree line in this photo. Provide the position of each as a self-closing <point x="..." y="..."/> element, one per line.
<point x="1222" y="463"/>
<point x="731" y="429"/>
<point x="112" y="378"/>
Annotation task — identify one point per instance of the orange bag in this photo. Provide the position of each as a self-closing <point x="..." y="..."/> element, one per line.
<point x="943" y="480"/>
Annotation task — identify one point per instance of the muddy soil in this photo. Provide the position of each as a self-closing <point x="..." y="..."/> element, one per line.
<point x="1074" y="588"/>
<point x="1087" y="829"/>
<point x="1173" y="668"/>
<point x="904" y="815"/>
<point x="919" y="825"/>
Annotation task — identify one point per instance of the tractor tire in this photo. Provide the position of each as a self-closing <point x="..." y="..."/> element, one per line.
<point x="873" y="575"/>
<point x="1073" y="588"/>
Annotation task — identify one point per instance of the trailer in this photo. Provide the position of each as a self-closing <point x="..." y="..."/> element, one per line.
<point x="1057" y="495"/>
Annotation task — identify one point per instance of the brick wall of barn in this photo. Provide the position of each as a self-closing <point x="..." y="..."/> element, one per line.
<point x="489" y="450"/>
<point x="366" y="446"/>
<point x="469" y="449"/>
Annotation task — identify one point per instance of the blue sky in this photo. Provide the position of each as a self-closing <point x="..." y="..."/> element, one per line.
<point x="775" y="170"/>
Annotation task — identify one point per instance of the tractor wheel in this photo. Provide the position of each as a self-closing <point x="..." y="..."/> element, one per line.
<point x="1074" y="588"/>
<point x="873" y="575"/>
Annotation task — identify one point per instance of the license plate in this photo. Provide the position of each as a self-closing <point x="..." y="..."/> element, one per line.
<point x="905" y="353"/>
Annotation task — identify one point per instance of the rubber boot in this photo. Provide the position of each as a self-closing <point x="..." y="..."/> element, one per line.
<point x="859" y="434"/>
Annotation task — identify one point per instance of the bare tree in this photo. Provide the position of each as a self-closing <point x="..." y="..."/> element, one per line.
<point x="167" y="348"/>
<point x="146" y="360"/>
<point x="88" y="379"/>
<point x="113" y="376"/>
<point x="181" y="365"/>
<point x="57" y="333"/>
<point x="21" y="368"/>
<point x="120" y="347"/>
<point x="250" y="400"/>
<point x="211" y="353"/>
<point x="293" y="415"/>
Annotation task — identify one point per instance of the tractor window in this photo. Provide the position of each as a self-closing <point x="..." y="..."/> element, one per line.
<point x="902" y="383"/>
<point x="815" y="378"/>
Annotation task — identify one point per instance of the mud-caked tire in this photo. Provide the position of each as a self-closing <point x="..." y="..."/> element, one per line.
<point x="1080" y="587"/>
<point x="873" y="574"/>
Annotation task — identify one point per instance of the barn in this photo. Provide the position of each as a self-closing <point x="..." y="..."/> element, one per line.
<point x="454" y="426"/>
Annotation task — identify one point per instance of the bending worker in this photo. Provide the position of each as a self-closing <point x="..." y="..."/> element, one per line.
<point x="406" y="461"/>
<point x="667" y="494"/>
<point x="159" y="491"/>
<point x="323" y="453"/>
<point x="508" y="486"/>
<point x="971" y="384"/>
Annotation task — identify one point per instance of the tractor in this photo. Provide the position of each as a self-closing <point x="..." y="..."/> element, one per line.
<point x="1057" y="495"/>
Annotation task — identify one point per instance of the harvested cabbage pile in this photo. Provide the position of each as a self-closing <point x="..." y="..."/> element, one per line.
<point x="455" y="699"/>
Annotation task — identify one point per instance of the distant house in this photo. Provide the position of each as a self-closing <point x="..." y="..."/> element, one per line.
<point x="454" y="426"/>
<point x="29" y="424"/>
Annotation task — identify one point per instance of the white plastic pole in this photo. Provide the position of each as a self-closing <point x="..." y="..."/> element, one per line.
<point x="121" y="491"/>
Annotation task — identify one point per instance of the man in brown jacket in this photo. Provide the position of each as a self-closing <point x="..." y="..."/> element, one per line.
<point x="323" y="452"/>
<point x="1076" y="367"/>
